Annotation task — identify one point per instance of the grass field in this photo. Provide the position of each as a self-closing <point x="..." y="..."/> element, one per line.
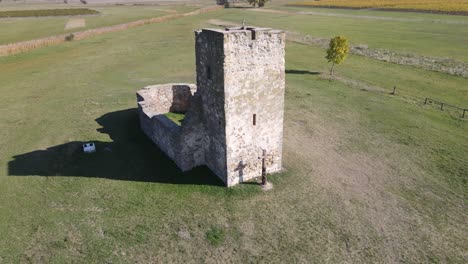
<point x="450" y="6"/>
<point x="371" y="177"/>
<point x="176" y="117"/>
<point x="424" y="37"/>
<point x="14" y="30"/>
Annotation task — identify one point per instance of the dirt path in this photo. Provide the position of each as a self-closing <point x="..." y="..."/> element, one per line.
<point x="24" y="46"/>
<point x="444" y="65"/>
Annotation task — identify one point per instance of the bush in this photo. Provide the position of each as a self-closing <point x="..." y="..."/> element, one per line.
<point x="69" y="37"/>
<point x="259" y="3"/>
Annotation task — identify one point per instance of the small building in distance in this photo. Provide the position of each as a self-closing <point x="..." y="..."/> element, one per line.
<point x="233" y="114"/>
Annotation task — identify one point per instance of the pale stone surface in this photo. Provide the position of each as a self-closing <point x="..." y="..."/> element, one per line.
<point x="236" y="112"/>
<point x="75" y="23"/>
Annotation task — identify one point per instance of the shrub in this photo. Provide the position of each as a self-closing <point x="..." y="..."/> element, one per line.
<point x="69" y="37"/>
<point x="259" y="3"/>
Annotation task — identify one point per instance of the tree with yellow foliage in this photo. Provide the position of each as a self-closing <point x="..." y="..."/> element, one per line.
<point x="337" y="51"/>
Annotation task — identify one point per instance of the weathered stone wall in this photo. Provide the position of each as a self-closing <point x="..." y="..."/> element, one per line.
<point x="209" y="49"/>
<point x="161" y="99"/>
<point x="157" y="100"/>
<point x="254" y="70"/>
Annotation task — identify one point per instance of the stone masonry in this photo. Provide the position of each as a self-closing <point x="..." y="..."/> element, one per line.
<point x="233" y="113"/>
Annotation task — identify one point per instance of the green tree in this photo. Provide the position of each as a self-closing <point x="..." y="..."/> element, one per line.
<point x="337" y="52"/>
<point x="259" y="3"/>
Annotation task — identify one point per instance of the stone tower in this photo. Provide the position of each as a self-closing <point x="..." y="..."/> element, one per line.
<point x="241" y="78"/>
<point x="233" y="114"/>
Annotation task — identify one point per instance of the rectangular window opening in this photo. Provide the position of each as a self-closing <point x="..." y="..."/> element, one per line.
<point x="208" y="72"/>
<point x="254" y="119"/>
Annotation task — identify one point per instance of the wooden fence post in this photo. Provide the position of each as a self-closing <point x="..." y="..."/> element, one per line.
<point x="264" y="179"/>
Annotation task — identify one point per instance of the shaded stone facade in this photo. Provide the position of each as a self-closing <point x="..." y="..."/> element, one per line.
<point x="235" y="113"/>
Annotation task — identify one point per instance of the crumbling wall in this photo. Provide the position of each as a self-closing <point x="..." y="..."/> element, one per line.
<point x="161" y="99"/>
<point x="153" y="103"/>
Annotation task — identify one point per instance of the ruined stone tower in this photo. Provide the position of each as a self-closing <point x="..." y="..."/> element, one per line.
<point x="236" y="112"/>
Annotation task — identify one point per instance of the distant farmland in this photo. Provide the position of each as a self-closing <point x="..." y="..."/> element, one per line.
<point x="447" y="6"/>
<point x="48" y="12"/>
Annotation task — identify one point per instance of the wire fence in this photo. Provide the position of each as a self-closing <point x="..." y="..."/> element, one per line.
<point x="445" y="105"/>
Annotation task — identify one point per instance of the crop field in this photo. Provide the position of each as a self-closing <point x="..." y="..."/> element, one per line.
<point x="450" y="6"/>
<point x="48" y="12"/>
<point x="370" y="177"/>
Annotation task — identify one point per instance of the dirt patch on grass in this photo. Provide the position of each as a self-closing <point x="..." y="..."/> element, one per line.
<point x="75" y="23"/>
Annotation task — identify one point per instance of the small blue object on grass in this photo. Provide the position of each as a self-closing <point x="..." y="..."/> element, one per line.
<point x="89" y="147"/>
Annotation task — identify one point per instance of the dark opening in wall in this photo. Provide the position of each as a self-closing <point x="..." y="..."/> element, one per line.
<point x="208" y="72"/>
<point x="254" y="119"/>
<point x="254" y="34"/>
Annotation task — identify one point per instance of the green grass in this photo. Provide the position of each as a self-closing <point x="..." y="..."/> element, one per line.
<point x="370" y="177"/>
<point x="48" y="12"/>
<point x="215" y="236"/>
<point x="176" y="117"/>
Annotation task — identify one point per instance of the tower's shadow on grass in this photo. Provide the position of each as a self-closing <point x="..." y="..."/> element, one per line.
<point x="131" y="157"/>
<point x="301" y="72"/>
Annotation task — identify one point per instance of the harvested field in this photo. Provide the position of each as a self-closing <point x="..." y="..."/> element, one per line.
<point x="446" y="6"/>
<point x="48" y="12"/>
